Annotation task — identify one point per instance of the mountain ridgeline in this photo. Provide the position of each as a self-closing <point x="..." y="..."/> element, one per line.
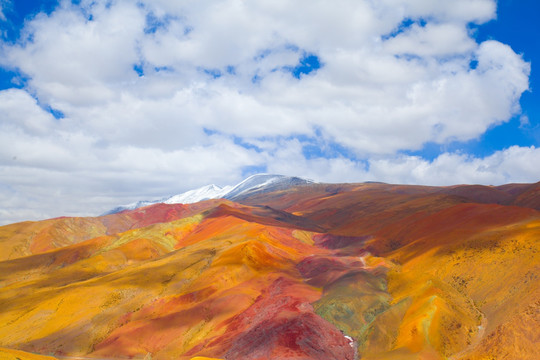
<point x="255" y="184"/>
<point x="281" y="268"/>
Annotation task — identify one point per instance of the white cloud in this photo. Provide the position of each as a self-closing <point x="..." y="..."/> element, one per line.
<point x="367" y="95"/>
<point x="18" y="109"/>
<point x="509" y="165"/>
<point x="431" y="40"/>
<point x="524" y="121"/>
<point x="162" y="96"/>
<point x="76" y="61"/>
<point x="477" y="11"/>
<point x="4" y="4"/>
<point x="49" y="168"/>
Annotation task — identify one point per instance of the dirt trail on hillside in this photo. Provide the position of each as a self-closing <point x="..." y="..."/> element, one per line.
<point x="478" y="338"/>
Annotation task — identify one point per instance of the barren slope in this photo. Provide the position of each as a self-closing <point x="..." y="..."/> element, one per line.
<point x="314" y="272"/>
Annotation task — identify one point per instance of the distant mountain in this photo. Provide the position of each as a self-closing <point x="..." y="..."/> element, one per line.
<point x="263" y="183"/>
<point x="255" y="184"/>
<point x="203" y="193"/>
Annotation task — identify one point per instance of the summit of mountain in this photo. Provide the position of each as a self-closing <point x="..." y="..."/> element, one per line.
<point x="264" y="183"/>
<point x="255" y="184"/>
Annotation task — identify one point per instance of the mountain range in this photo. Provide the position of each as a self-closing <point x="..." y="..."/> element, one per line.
<point x="281" y="268"/>
<point x="252" y="185"/>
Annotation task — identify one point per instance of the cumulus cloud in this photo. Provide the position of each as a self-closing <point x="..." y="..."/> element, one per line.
<point x="129" y="99"/>
<point x="51" y="168"/>
<point x="509" y="165"/>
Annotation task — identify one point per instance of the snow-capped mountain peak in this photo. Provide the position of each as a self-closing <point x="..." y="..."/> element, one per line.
<point x="259" y="183"/>
<point x="203" y="193"/>
<point x="254" y="184"/>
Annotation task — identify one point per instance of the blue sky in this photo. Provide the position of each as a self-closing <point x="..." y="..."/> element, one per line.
<point x="518" y="26"/>
<point x="107" y="102"/>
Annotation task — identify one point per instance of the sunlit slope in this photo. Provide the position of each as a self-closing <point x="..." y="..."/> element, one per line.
<point x="465" y="277"/>
<point x="345" y="271"/>
<point x="27" y="238"/>
<point x="10" y="354"/>
<point x="468" y="272"/>
<point x="176" y="290"/>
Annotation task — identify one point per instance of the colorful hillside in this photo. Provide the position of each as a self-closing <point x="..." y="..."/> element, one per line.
<point x="316" y="271"/>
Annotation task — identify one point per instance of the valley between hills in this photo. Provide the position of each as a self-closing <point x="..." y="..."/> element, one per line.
<point x="307" y="271"/>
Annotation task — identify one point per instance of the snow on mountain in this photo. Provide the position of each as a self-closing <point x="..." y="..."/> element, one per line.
<point x="204" y="193"/>
<point x="261" y="183"/>
<point x="254" y="184"/>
